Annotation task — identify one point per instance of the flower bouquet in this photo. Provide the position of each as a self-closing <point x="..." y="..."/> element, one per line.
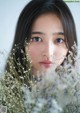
<point x="54" y="91"/>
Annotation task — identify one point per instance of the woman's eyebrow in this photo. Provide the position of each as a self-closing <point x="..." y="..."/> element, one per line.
<point x="37" y="32"/>
<point x="58" y="33"/>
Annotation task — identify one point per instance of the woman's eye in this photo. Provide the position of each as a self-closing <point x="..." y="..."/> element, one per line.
<point x="59" y="40"/>
<point x="36" y="39"/>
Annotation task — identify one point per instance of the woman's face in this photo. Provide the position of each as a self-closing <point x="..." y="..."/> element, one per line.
<point x="47" y="46"/>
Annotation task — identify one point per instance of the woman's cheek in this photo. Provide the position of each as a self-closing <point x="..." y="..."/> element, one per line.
<point x="33" y="53"/>
<point x="60" y="55"/>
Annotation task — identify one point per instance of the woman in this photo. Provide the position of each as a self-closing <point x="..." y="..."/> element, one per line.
<point x="27" y="25"/>
<point x="44" y="36"/>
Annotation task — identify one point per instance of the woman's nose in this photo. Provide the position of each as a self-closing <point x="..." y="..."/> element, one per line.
<point x="49" y="50"/>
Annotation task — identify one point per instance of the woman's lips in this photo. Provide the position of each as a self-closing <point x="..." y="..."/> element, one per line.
<point x="46" y="64"/>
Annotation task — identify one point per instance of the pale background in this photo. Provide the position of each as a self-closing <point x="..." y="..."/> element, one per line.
<point x="9" y="13"/>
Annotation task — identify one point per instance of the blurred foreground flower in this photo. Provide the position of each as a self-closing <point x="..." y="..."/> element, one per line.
<point x="54" y="91"/>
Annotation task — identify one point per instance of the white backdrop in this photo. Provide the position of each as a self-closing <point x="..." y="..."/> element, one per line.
<point x="9" y="12"/>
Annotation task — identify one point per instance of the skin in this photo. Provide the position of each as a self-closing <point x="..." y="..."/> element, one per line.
<point x="47" y="46"/>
